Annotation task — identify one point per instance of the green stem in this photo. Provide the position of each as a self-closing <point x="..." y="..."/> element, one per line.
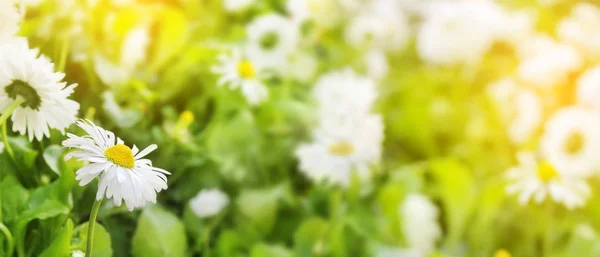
<point x="91" y="227"/>
<point x="10" y="109"/>
<point x="9" y="238"/>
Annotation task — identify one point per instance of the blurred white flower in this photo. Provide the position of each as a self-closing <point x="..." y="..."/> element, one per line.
<point x="32" y="79"/>
<point x="122" y="173"/>
<point x="420" y="223"/>
<point x="344" y="93"/>
<point x="517" y="27"/>
<point x="341" y="150"/>
<point x="571" y="141"/>
<point x="546" y="63"/>
<point x="272" y="38"/>
<point x="78" y="253"/>
<point x="323" y="12"/>
<point x="237" y="5"/>
<point x="459" y="32"/>
<point x="135" y="46"/>
<point x="133" y="53"/>
<point x="239" y="71"/>
<point x="9" y="21"/>
<point x="302" y="66"/>
<point x="377" y="64"/>
<point x="520" y="107"/>
<point x="536" y="181"/>
<point x="582" y="29"/>
<point x="379" y="25"/>
<point x="588" y="89"/>
<point x="208" y="203"/>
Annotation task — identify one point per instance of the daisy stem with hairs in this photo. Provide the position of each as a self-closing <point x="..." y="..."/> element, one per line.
<point x="91" y="227"/>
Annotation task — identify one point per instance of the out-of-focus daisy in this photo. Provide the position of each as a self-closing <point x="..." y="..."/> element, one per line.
<point x="9" y="21"/>
<point x="31" y="80"/>
<point x="377" y="64"/>
<point x="521" y="108"/>
<point x="588" y="89"/>
<point x="322" y="12"/>
<point x="238" y="71"/>
<point x="272" y="38"/>
<point x="208" y="203"/>
<point x="341" y="149"/>
<point x="122" y="173"/>
<point x="132" y="54"/>
<point x="546" y="63"/>
<point x="420" y="223"/>
<point x="344" y="93"/>
<point x="582" y="29"/>
<point x="237" y="5"/>
<point x="459" y="32"/>
<point x="302" y="66"/>
<point x="379" y="26"/>
<point x="571" y="141"/>
<point x="536" y="181"/>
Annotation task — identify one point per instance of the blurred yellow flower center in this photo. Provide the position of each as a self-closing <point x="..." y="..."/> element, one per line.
<point x="246" y="69"/>
<point x="502" y="253"/>
<point x="341" y="148"/>
<point x="546" y="172"/>
<point x="121" y="155"/>
<point x="186" y="118"/>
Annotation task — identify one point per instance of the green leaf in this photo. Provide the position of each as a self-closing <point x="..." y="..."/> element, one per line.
<point x="52" y="156"/>
<point x="14" y="199"/>
<point x="264" y="250"/>
<point x="102" y="243"/>
<point x="159" y="233"/>
<point x="60" y="246"/>
<point x="258" y="208"/>
<point x="310" y="237"/>
<point x="23" y="152"/>
<point x="457" y="191"/>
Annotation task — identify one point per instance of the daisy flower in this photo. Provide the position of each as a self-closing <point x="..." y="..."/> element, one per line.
<point x="588" y="89"/>
<point x="344" y="93"/>
<point x="122" y="173"/>
<point x="520" y="107"/>
<point x="238" y="71"/>
<point x="9" y="21"/>
<point x="459" y="32"/>
<point x="536" y="181"/>
<point x="381" y="25"/>
<point x="582" y="29"/>
<point x="341" y="148"/>
<point x="209" y="203"/>
<point x="236" y="5"/>
<point x="272" y="38"/>
<point x="546" y="63"/>
<point x="31" y="80"/>
<point x="571" y="141"/>
<point x="420" y="223"/>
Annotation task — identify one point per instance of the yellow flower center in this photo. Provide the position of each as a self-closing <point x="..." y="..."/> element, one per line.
<point x="185" y="119"/>
<point x="546" y="172"/>
<point x="121" y="155"/>
<point x="341" y="148"/>
<point x="246" y="69"/>
<point x="502" y="253"/>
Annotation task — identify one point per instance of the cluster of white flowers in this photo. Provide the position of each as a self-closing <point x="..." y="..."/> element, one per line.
<point x="567" y="134"/>
<point x="347" y="142"/>
<point x="36" y="100"/>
